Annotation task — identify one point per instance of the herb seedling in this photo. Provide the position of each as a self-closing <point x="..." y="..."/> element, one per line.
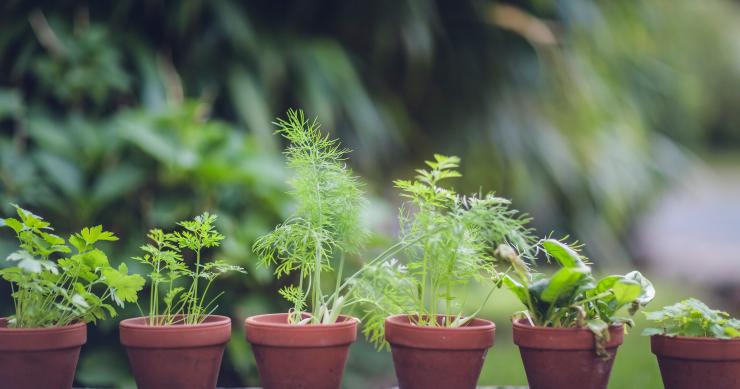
<point x="571" y="297"/>
<point x="52" y="288"/>
<point x="448" y="241"/>
<point x="692" y="318"/>
<point x="165" y="255"/>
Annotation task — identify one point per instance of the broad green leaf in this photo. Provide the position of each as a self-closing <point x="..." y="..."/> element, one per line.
<point x="565" y="255"/>
<point x="626" y="291"/>
<point x="124" y="287"/>
<point x="16" y="225"/>
<point x="647" y="293"/>
<point x="95" y="259"/>
<point x="516" y="288"/>
<point x="606" y="283"/>
<point x="77" y="242"/>
<point x="26" y="261"/>
<point x="563" y="283"/>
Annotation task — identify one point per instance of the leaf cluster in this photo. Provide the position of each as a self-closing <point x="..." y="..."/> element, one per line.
<point x="692" y="317"/>
<point x="325" y="224"/>
<point x="54" y="286"/>
<point x="572" y="296"/>
<point x="164" y="253"/>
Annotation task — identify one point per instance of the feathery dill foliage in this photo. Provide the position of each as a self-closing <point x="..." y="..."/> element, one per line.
<point x="449" y="243"/>
<point x="52" y="287"/>
<point x="325" y="226"/>
<point x="164" y="254"/>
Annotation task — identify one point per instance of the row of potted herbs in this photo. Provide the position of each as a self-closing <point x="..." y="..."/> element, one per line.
<point x="416" y="305"/>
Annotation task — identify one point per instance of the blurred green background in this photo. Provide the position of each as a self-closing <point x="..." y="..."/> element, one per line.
<point x="615" y="122"/>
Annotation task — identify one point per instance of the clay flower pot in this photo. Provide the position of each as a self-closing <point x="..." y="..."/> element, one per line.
<point x="300" y="356"/>
<point x="175" y="356"/>
<point x="438" y="357"/>
<point x="32" y="358"/>
<point x="560" y="357"/>
<point x="688" y="362"/>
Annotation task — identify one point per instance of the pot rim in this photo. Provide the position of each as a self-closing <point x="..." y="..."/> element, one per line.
<point x="261" y="321"/>
<point x="550" y="338"/>
<point x="695" y="348"/>
<point x="42" y="338"/>
<point x="524" y="324"/>
<point x="475" y="325"/>
<point x="698" y="338"/>
<point x="139" y="323"/>
<point x="215" y="331"/>
<point x="263" y="330"/>
<point x="39" y="330"/>
<point x="479" y="334"/>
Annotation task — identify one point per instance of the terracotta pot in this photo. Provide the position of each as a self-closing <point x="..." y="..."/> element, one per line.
<point x="175" y="356"/>
<point x="688" y="362"/>
<point x="305" y="356"/>
<point x="561" y="357"/>
<point x="438" y="357"/>
<point x="32" y="358"/>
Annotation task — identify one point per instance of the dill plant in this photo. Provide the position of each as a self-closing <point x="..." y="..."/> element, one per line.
<point x="325" y="226"/>
<point x="449" y="240"/>
<point x="53" y="286"/>
<point x="170" y="273"/>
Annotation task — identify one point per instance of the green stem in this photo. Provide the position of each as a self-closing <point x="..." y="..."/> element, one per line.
<point x="317" y="285"/>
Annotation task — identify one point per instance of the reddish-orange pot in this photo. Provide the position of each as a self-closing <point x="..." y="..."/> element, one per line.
<point x="688" y="362"/>
<point x="438" y="357"/>
<point x="32" y="358"/>
<point x="562" y="357"/>
<point x="300" y="356"/>
<point x="176" y="356"/>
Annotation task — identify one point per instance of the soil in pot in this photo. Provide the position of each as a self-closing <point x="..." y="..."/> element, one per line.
<point x="300" y="356"/>
<point x="563" y="357"/>
<point x="176" y="356"/>
<point x="32" y="358"/>
<point x="438" y="357"/>
<point x="688" y="362"/>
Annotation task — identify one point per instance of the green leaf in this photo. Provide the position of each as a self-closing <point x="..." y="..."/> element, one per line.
<point x="16" y="225"/>
<point x="95" y="259"/>
<point x="518" y="289"/>
<point x="563" y="283"/>
<point x="563" y="253"/>
<point x="123" y="286"/>
<point x="171" y="294"/>
<point x="77" y="242"/>
<point x="626" y="291"/>
<point x="647" y="293"/>
<point x="25" y="260"/>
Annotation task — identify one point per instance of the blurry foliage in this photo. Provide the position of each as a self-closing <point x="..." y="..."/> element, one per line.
<point x="139" y="114"/>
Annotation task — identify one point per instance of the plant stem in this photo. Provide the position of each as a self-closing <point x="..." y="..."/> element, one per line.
<point x="317" y="286"/>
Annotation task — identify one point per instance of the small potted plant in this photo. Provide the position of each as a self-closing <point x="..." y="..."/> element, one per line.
<point x="56" y="291"/>
<point x="417" y="304"/>
<point x="307" y="347"/>
<point x="180" y="343"/>
<point x="697" y="347"/>
<point x="570" y="330"/>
